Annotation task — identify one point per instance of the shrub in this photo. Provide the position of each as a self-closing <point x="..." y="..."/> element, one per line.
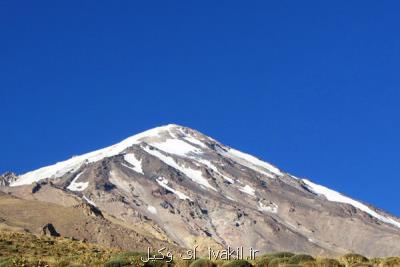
<point x="375" y="261"/>
<point x="353" y="258"/>
<point x="63" y="263"/>
<point x="202" y="263"/>
<point x="362" y="265"/>
<point x="116" y="263"/>
<point x="390" y="262"/>
<point x="155" y="264"/>
<point x="296" y="259"/>
<point x="263" y="261"/>
<point x="238" y="263"/>
<point x="281" y="254"/>
<point x="278" y="262"/>
<point x="182" y="263"/>
<point x="129" y="254"/>
<point x="4" y="261"/>
<point x="329" y="263"/>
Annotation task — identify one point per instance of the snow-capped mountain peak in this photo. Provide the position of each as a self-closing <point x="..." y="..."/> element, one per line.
<point x="182" y="179"/>
<point x="74" y="163"/>
<point x="172" y="139"/>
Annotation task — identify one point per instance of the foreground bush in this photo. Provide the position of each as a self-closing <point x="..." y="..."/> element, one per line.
<point x="362" y="265"/>
<point x="264" y="260"/>
<point x="202" y="263"/>
<point x="116" y="263"/>
<point x="182" y="263"/>
<point x="329" y="263"/>
<point x="278" y="262"/>
<point x="352" y="258"/>
<point x="301" y="258"/>
<point x="390" y="262"/>
<point x="238" y="263"/>
<point x="310" y="264"/>
<point x="281" y="254"/>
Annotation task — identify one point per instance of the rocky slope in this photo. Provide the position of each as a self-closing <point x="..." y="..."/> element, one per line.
<point x="7" y="178"/>
<point x="177" y="185"/>
<point x="81" y="221"/>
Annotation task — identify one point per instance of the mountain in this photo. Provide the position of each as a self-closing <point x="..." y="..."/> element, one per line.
<point x="176" y="185"/>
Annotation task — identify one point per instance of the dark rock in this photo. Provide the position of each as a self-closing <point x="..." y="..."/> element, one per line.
<point x="49" y="230"/>
<point x="89" y="209"/>
<point x="36" y="187"/>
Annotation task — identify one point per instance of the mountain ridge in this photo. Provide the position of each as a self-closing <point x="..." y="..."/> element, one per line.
<point x="208" y="190"/>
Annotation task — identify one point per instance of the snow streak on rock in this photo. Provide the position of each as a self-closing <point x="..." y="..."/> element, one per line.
<point x="334" y="196"/>
<point x="77" y="186"/>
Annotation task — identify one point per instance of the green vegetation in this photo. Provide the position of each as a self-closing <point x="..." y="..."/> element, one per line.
<point x="301" y="258"/>
<point x="22" y="249"/>
<point x="328" y="263"/>
<point x="202" y="263"/>
<point x="390" y="262"/>
<point x="352" y="259"/>
<point x="237" y="263"/>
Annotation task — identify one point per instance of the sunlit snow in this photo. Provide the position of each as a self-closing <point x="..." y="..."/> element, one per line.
<point x="164" y="183"/>
<point x="195" y="141"/>
<point x="176" y="147"/>
<point x="252" y="162"/>
<point x="77" y="186"/>
<point x="89" y="201"/>
<point x="334" y="196"/>
<point x="272" y="207"/>
<point x="137" y="164"/>
<point x="214" y="168"/>
<point x="194" y="175"/>
<point x="248" y="190"/>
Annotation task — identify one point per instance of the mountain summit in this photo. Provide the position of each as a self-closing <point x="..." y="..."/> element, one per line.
<point x="179" y="186"/>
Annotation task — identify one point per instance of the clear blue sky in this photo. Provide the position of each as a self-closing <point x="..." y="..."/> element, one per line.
<point x="309" y="86"/>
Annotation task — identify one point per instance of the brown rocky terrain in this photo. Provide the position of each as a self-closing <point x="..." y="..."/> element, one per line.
<point x="80" y="222"/>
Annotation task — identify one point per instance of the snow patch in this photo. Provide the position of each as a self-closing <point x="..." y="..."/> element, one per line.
<point x="195" y="141"/>
<point x="152" y="209"/>
<point x="252" y="162"/>
<point x="334" y="196"/>
<point x="215" y="169"/>
<point x="137" y="164"/>
<point x="230" y="198"/>
<point x="248" y="190"/>
<point x="77" y="186"/>
<point x="89" y="201"/>
<point x="176" y="147"/>
<point x="164" y="183"/>
<point x="194" y="175"/>
<point x="272" y="207"/>
<point x="291" y="225"/>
